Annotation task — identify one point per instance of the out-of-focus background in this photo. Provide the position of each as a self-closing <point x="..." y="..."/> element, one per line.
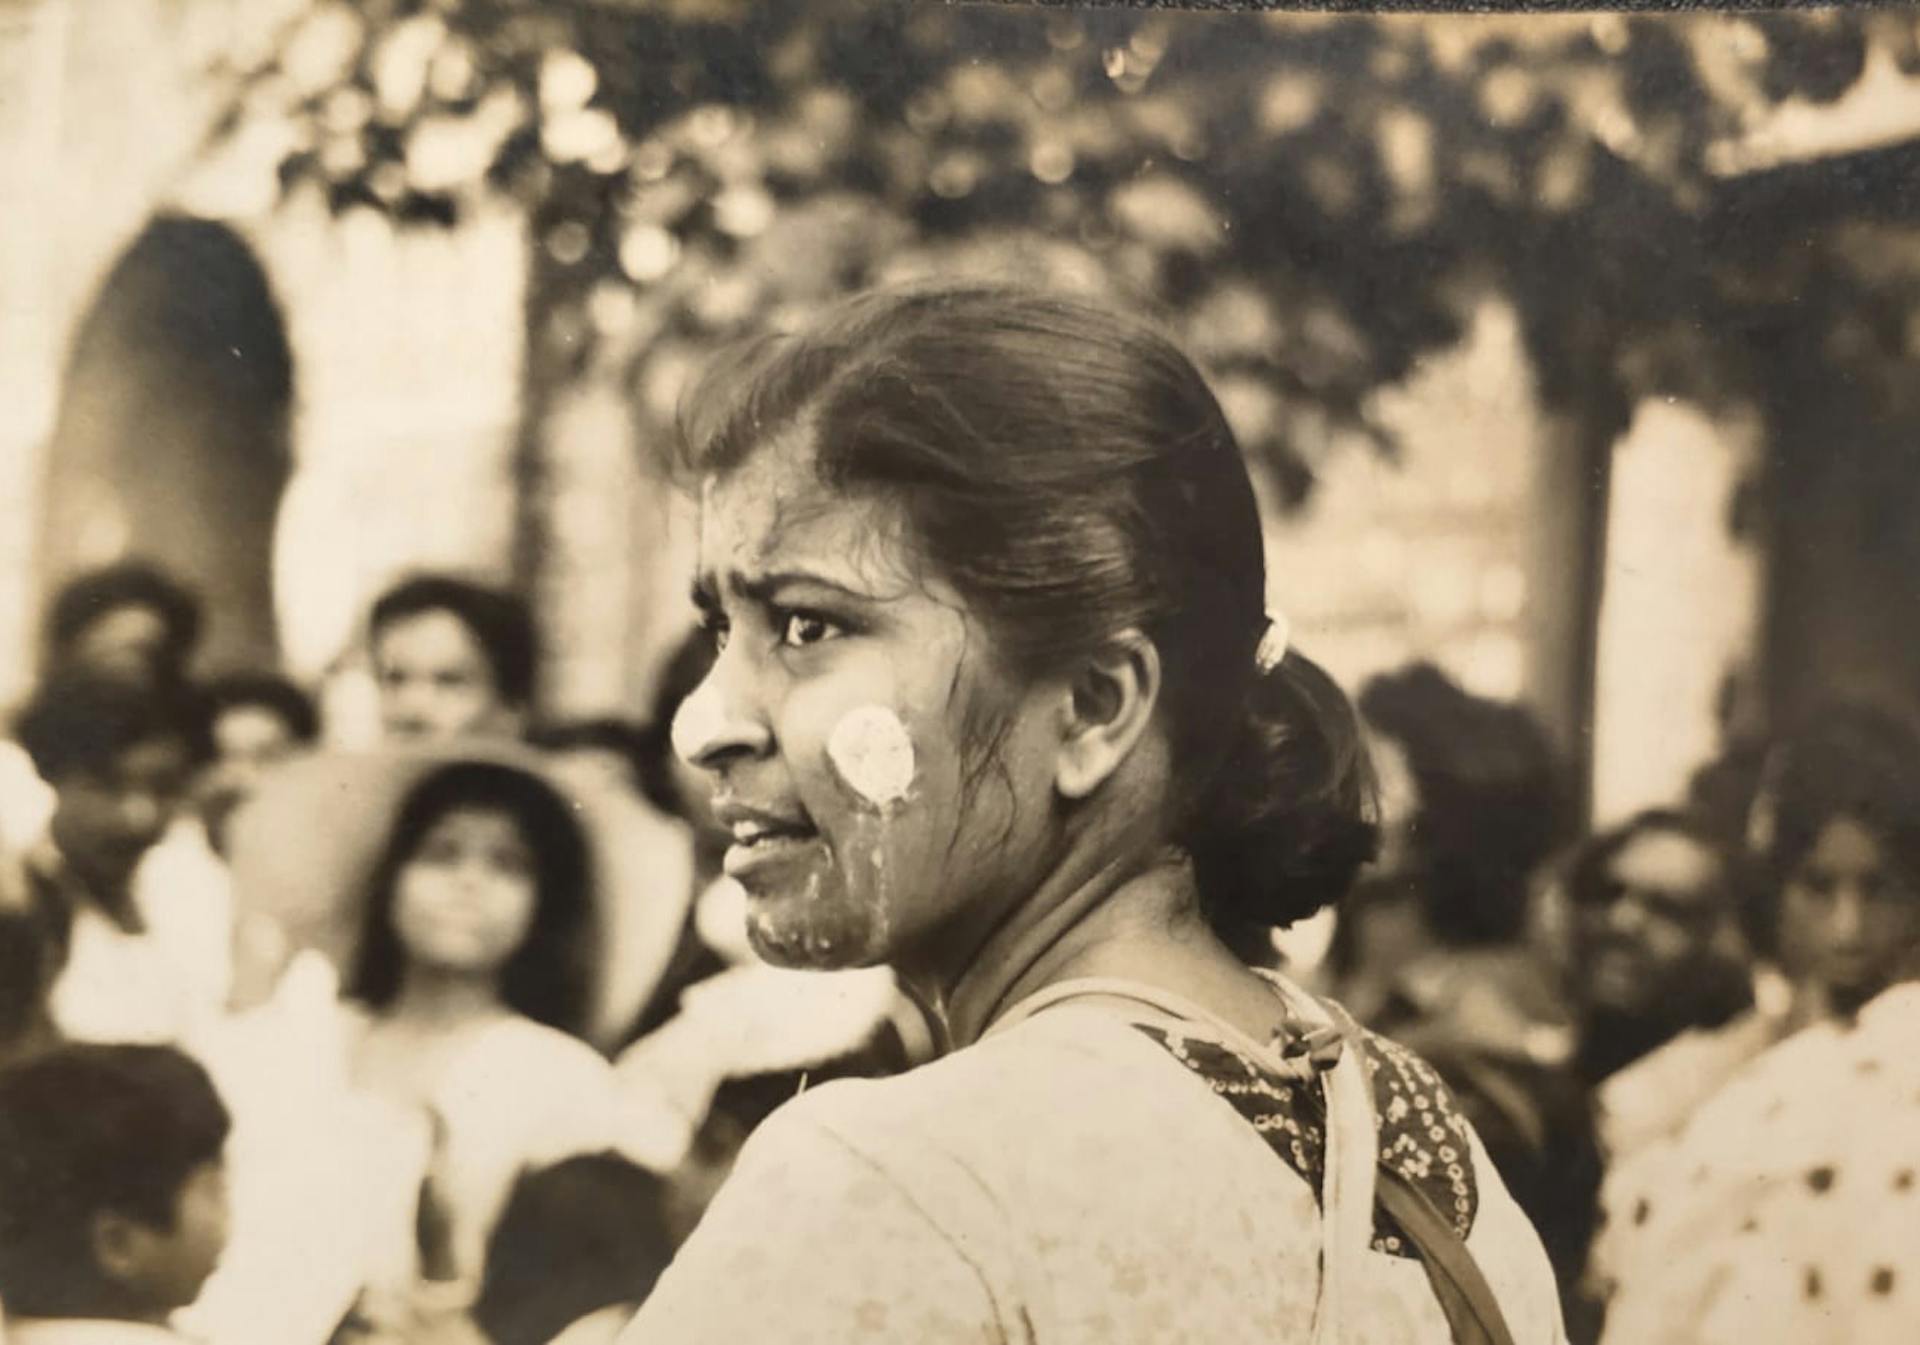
<point x="1574" y="361"/>
<point x="1575" y="353"/>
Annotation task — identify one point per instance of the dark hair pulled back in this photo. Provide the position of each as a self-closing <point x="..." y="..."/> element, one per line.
<point x="1068" y="470"/>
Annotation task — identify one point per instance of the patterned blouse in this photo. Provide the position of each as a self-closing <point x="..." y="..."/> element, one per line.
<point x="1074" y="1180"/>
<point x="1422" y="1135"/>
<point x="1788" y="1209"/>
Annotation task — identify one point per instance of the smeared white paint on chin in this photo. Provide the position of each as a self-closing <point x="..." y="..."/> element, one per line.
<point x="872" y="754"/>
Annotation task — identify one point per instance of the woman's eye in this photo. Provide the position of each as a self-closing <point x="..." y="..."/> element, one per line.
<point x="1817" y="886"/>
<point x="514" y="863"/>
<point x="805" y="628"/>
<point x="440" y="853"/>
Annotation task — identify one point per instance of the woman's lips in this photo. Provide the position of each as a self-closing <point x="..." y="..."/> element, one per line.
<point x="760" y="845"/>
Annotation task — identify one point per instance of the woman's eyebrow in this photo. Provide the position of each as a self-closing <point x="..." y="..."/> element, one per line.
<point x="761" y="588"/>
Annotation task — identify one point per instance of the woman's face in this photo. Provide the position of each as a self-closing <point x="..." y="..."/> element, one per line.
<point x="465" y="900"/>
<point x="882" y="781"/>
<point x="1849" y="919"/>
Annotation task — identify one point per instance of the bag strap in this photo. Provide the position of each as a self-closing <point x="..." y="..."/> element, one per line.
<point x="1473" y="1313"/>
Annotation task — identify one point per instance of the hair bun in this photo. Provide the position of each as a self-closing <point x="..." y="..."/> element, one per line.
<point x="1289" y="818"/>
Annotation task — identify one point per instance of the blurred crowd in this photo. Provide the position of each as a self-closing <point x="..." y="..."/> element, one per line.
<point x="451" y="1038"/>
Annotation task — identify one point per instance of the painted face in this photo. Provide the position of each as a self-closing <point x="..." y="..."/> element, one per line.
<point x="105" y="821"/>
<point x="1849" y="919"/>
<point x="172" y="1264"/>
<point x="1646" y="932"/>
<point x="845" y="723"/>
<point x="125" y="641"/>
<point x="465" y="900"/>
<point x="435" y="681"/>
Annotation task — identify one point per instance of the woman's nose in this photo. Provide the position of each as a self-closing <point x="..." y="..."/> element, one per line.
<point x="1849" y="916"/>
<point x="708" y="731"/>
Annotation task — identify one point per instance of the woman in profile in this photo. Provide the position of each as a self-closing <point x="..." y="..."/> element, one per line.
<point x="997" y="704"/>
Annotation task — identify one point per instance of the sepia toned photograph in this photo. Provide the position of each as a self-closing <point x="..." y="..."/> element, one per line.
<point x="931" y="671"/>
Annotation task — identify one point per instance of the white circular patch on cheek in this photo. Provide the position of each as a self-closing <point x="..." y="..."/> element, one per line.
<point x="873" y="755"/>
<point x="698" y="724"/>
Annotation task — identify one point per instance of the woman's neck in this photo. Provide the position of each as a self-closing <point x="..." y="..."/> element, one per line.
<point x="1129" y="921"/>
<point x="430" y="997"/>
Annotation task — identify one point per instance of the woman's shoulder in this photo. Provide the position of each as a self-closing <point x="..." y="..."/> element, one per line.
<point x="1063" y="1059"/>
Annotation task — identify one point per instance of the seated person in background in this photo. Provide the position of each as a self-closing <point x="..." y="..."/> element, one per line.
<point x="1657" y="951"/>
<point x="112" y="1193"/>
<point x="128" y="621"/>
<point x="451" y="658"/>
<point x="119" y="961"/>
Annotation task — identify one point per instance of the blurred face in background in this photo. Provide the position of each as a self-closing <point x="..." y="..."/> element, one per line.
<point x="1653" y="924"/>
<point x="465" y="900"/>
<point x="249" y="741"/>
<point x="435" y="681"/>
<point x="106" y="819"/>
<point x="1849" y="917"/>
<point x="126" y="641"/>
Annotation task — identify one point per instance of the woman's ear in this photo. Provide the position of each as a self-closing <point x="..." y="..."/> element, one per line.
<point x="1109" y="706"/>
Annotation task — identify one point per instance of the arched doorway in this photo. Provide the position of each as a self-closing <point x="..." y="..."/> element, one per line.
<point x="171" y="437"/>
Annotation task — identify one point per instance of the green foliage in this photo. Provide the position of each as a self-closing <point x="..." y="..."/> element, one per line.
<point x="1311" y="201"/>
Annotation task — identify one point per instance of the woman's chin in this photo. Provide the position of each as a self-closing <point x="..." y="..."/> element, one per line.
<point x="786" y="937"/>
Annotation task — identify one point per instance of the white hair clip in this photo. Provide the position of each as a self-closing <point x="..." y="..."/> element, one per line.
<point x="1272" y="650"/>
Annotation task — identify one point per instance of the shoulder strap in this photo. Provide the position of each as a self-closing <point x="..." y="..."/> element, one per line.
<point x="1472" y="1311"/>
<point x="1473" y="1314"/>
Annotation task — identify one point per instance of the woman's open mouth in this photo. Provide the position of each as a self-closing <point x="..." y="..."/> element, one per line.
<point x="761" y="843"/>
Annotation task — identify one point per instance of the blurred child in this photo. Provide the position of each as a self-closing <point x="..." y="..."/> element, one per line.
<point x="112" y="1193"/>
<point x="579" y="1243"/>
<point x="120" y="960"/>
<point x="472" y="983"/>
